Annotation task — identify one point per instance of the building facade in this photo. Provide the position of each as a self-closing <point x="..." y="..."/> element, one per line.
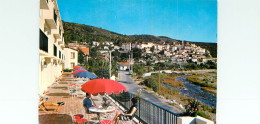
<point x="51" y="43"/>
<point x="71" y="58"/>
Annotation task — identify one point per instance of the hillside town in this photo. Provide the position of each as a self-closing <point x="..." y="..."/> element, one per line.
<point x="176" y="53"/>
<point x="66" y="65"/>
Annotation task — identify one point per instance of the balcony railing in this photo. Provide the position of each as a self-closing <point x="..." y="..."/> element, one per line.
<point x="147" y="112"/>
<point x="51" y="19"/>
<point x="43" y="42"/>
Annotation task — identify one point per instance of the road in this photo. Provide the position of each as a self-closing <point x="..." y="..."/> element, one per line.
<point x="126" y="80"/>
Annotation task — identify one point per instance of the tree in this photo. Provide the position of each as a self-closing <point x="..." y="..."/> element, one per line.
<point x="139" y="70"/>
<point x="81" y="57"/>
<point x="161" y="52"/>
<point x="137" y="53"/>
<point x="152" y="49"/>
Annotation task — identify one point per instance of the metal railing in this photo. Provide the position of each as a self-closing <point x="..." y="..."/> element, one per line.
<point x="147" y="112"/>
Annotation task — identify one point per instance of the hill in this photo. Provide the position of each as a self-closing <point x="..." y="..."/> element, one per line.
<point x="85" y="33"/>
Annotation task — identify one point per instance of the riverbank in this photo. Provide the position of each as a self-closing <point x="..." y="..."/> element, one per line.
<point x="177" y="94"/>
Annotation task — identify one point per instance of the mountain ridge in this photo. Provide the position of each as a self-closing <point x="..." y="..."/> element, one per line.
<point x="87" y="33"/>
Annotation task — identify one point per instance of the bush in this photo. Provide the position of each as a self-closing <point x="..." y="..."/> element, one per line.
<point x="204" y="115"/>
<point x="192" y="108"/>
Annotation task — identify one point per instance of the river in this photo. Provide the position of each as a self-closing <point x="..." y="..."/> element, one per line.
<point x="192" y="90"/>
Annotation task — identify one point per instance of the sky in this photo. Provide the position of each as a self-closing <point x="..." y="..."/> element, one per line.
<point x="190" y="20"/>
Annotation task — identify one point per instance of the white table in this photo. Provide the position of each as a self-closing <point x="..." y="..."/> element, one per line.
<point x="100" y="109"/>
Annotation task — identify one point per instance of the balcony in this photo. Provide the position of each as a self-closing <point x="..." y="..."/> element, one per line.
<point x="61" y="42"/>
<point x="56" y="34"/>
<point x="51" y="18"/>
<point x="44" y="4"/>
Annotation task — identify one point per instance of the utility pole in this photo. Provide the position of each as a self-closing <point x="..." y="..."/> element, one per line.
<point x="159" y="79"/>
<point x="129" y="61"/>
<point x="132" y="61"/>
<point x="110" y="64"/>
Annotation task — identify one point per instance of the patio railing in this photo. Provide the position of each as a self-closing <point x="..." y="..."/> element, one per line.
<point x="148" y="112"/>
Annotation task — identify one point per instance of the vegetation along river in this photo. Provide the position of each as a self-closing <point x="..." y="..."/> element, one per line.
<point x="192" y="90"/>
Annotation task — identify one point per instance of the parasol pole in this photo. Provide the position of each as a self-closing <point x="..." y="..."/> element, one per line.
<point x="93" y="101"/>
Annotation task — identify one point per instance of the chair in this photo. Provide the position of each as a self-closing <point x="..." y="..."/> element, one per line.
<point x="79" y="119"/>
<point x="43" y="105"/>
<point x="107" y="122"/>
<point x="80" y="94"/>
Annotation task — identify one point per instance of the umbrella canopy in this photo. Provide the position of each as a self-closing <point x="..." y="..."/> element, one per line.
<point x="77" y="67"/>
<point x="78" y="70"/>
<point x="85" y="74"/>
<point x="102" y="86"/>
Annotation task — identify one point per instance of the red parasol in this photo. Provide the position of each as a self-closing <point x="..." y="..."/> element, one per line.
<point x="102" y="86"/>
<point x="74" y="72"/>
<point x="77" y="67"/>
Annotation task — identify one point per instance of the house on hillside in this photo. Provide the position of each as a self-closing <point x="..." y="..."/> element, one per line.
<point x="71" y="58"/>
<point x="85" y="51"/>
<point x="123" y="66"/>
<point x="95" y="43"/>
<point x="126" y="46"/>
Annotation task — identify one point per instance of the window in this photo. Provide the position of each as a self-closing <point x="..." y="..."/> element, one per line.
<point x="60" y="54"/>
<point x="54" y="50"/>
<point x="60" y="31"/>
<point x="72" y="55"/>
<point x="72" y="65"/>
<point x="55" y="16"/>
<point x="43" y="41"/>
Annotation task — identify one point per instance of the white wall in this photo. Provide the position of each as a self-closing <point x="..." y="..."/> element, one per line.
<point x="68" y="60"/>
<point x="48" y="74"/>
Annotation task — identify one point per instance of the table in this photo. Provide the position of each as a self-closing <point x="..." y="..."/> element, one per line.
<point x="100" y="109"/>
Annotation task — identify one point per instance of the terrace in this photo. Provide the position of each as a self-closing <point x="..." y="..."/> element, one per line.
<point x="68" y="90"/>
<point x="61" y="92"/>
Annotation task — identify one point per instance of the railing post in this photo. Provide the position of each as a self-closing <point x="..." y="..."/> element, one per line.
<point x="165" y="117"/>
<point x="139" y="108"/>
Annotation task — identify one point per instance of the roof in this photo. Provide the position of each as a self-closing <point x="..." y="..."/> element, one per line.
<point x="85" y="50"/>
<point x="123" y="63"/>
<point x="107" y="59"/>
<point x="71" y="48"/>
